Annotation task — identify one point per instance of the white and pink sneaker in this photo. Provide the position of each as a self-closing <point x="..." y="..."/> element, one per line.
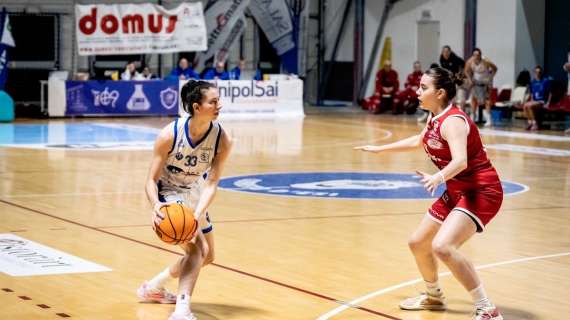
<point x="487" y="313"/>
<point x="148" y="294"/>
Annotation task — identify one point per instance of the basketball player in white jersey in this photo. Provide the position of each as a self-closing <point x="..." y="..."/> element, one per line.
<point x="189" y="155"/>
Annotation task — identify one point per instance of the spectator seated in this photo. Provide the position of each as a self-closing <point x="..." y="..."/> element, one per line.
<point x="407" y="99"/>
<point x="386" y="89"/>
<point x="554" y="114"/>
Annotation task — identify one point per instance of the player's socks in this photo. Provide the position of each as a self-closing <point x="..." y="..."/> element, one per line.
<point x="160" y="279"/>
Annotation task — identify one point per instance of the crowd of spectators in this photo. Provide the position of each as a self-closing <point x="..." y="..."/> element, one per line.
<point x="536" y="99"/>
<point x="185" y="71"/>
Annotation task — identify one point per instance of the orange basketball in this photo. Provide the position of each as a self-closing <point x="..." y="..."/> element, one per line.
<point x="178" y="225"/>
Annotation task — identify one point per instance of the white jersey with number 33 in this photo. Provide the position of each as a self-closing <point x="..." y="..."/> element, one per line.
<point x="189" y="161"/>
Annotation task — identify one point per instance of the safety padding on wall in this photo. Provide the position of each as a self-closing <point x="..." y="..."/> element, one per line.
<point x="6" y="107"/>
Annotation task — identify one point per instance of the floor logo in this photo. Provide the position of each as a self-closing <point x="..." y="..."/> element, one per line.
<point x="348" y="185"/>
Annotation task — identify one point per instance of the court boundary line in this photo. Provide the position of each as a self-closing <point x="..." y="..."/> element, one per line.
<point x="371" y="215"/>
<point x="278" y="283"/>
<point x="523" y="135"/>
<point x="360" y="299"/>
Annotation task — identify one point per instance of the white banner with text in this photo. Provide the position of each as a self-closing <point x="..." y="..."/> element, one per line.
<point x="104" y="29"/>
<point x="256" y="99"/>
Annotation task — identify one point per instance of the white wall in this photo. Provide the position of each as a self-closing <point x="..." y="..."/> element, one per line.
<point x="530" y="28"/>
<point x="496" y="30"/>
<point x="402" y="27"/>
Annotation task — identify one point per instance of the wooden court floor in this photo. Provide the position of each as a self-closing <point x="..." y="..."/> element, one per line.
<point x="281" y="257"/>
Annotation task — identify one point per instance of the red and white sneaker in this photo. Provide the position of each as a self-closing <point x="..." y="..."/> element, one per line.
<point x="148" y="294"/>
<point x="487" y="313"/>
<point x="187" y="316"/>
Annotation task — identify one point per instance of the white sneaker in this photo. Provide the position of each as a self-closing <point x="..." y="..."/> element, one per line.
<point x="487" y="313"/>
<point x="424" y="302"/>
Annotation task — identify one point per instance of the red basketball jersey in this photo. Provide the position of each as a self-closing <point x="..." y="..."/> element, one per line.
<point x="479" y="169"/>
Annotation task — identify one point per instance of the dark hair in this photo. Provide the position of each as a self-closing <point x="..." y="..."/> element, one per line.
<point x="523" y="79"/>
<point x="446" y="47"/>
<point x="479" y="50"/>
<point x="444" y="79"/>
<point x="433" y="65"/>
<point x="193" y="92"/>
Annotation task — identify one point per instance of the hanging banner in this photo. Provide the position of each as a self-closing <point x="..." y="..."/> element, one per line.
<point x="274" y="19"/>
<point x="282" y="23"/>
<point x="225" y="22"/>
<point x="121" y="98"/>
<point x="6" y="40"/>
<point x="105" y="29"/>
<point x="300" y="15"/>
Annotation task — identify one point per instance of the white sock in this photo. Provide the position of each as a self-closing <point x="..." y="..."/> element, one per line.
<point x="433" y="289"/>
<point x="480" y="296"/>
<point x="182" y="304"/>
<point x="487" y="115"/>
<point x="160" y="279"/>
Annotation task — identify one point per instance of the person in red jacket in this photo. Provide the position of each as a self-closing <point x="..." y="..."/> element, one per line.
<point x="407" y="99"/>
<point x="387" y="86"/>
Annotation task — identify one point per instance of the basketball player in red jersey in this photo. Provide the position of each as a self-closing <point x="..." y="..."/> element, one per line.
<point x="473" y="197"/>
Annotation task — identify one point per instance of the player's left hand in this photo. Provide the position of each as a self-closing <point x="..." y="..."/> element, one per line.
<point x="430" y="181"/>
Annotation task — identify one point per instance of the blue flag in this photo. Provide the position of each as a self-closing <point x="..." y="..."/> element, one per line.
<point x="6" y="40"/>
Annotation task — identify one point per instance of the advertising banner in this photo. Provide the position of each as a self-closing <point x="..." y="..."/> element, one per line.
<point x="121" y="98"/>
<point x="255" y="99"/>
<point x="105" y="29"/>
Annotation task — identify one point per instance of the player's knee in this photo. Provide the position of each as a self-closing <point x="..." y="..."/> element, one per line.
<point x="418" y="244"/>
<point x="442" y="250"/>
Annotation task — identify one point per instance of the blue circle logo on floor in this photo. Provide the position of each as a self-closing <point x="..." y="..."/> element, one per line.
<point x="344" y="185"/>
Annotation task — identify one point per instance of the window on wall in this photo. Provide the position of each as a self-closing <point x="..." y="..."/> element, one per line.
<point x="36" y="38"/>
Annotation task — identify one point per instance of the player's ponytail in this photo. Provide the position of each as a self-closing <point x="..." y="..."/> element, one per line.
<point x="193" y="92"/>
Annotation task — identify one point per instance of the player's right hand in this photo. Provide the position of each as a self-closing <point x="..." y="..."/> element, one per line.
<point x="368" y="148"/>
<point x="157" y="216"/>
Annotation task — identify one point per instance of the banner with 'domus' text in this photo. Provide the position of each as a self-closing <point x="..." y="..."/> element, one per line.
<point x="139" y="28"/>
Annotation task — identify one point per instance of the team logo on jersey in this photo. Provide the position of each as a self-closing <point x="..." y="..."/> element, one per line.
<point x="205" y="156"/>
<point x="168" y="98"/>
<point x="345" y="185"/>
<point x="434" y="144"/>
<point x="435" y="125"/>
<point x="178" y="156"/>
